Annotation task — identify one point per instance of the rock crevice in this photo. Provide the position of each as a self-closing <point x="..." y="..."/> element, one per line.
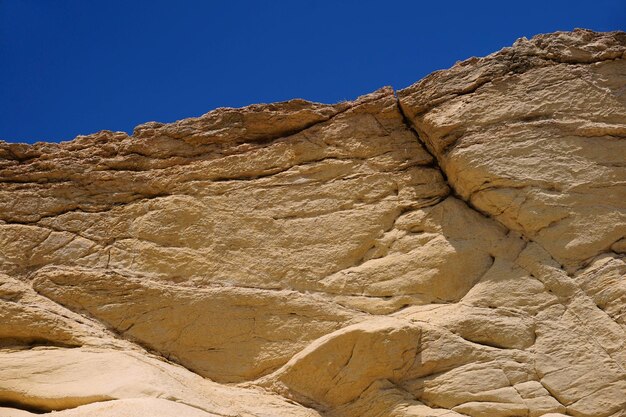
<point x="450" y="249"/>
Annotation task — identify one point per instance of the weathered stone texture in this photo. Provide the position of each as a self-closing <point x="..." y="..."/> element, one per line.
<point x="455" y="248"/>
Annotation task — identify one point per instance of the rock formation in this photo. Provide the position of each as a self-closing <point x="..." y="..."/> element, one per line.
<point x="455" y="248"/>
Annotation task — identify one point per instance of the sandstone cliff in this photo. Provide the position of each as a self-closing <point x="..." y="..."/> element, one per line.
<point x="452" y="249"/>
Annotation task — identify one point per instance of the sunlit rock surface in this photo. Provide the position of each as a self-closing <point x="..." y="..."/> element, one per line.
<point x="455" y="248"/>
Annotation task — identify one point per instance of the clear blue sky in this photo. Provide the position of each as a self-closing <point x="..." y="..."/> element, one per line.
<point x="70" y="67"/>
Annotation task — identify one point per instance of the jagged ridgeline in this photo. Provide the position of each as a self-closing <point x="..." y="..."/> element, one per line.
<point x="455" y="248"/>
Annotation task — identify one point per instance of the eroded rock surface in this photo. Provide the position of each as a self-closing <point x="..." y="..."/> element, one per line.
<point x="452" y="249"/>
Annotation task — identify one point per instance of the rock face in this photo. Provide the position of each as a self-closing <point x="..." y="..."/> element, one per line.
<point x="452" y="249"/>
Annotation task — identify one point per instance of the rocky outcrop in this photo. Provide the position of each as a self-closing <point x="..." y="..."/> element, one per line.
<point x="452" y="249"/>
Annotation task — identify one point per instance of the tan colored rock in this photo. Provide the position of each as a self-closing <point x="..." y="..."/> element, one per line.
<point x="353" y="357"/>
<point x="225" y="334"/>
<point x="136" y="407"/>
<point x="64" y="379"/>
<point x="457" y="250"/>
<point x="532" y="135"/>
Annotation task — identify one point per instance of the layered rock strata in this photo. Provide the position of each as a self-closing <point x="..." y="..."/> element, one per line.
<point x="455" y="248"/>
